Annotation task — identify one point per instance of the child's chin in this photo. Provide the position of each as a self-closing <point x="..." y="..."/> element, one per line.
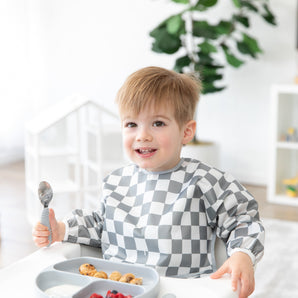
<point x="147" y="166"/>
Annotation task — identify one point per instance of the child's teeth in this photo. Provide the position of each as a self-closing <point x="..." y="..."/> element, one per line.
<point x="145" y="151"/>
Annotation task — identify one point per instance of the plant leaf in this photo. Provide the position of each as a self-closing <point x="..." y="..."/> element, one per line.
<point x="251" y="43"/>
<point x="244" y="49"/>
<point x="269" y="17"/>
<point x="210" y="88"/>
<point x="205" y="58"/>
<point x="181" y="1"/>
<point x="242" y="19"/>
<point x="207" y="3"/>
<point x="224" y="27"/>
<point x="203" y="29"/>
<point x="231" y="59"/>
<point x="174" y="24"/>
<point x="207" y="47"/>
<point x="165" y="42"/>
<point x="211" y="78"/>
<point x="210" y="69"/>
<point x="237" y="3"/>
<point x="249" y="5"/>
<point x="181" y="63"/>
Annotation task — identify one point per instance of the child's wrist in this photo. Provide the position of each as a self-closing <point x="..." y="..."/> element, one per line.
<point x="247" y="252"/>
<point x="61" y="230"/>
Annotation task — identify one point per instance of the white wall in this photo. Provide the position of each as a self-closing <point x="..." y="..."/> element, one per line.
<point x="90" y="47"/>
<point x="13" y="79"/>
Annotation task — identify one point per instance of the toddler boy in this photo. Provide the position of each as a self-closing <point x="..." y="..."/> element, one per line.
<point x="162" y="210"/>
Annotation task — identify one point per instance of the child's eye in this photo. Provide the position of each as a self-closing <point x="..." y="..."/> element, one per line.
<point x="130" y="124"/>
<point x="158" y="123"/>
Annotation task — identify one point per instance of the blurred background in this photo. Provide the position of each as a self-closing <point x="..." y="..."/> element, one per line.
<point x="53" y="49"/>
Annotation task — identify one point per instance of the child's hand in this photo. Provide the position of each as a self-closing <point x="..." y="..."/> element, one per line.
<point x="41" y="233"/>
<point x="240" y="266"/>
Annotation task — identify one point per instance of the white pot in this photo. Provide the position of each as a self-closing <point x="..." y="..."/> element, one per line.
<point x="206" y="152"/>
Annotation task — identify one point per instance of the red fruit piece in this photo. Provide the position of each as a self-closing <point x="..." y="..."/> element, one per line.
<point x="110" y="294"/>
<point x="94" y="295"/>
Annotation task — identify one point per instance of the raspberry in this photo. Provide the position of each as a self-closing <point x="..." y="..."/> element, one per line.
<point x="111" y="294"/>
<point x="115" y="294"/>
<point x="94" y="295"/>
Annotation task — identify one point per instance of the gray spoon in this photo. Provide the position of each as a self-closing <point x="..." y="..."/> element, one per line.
<point x="45" y="194"/>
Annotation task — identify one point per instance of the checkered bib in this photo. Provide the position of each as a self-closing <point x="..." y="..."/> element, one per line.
<point x="168" y="219"/>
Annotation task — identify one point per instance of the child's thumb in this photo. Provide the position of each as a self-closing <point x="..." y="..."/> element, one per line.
<point x="52" y="217"/>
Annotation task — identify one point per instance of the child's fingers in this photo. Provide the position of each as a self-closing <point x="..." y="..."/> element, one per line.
<point x="41" y="233"/>
<point x="243" y="290"/>
<point x="247" y="287"/>
<point x="41" y="241"/>
<point x="40" y="227"/>
<point x="220" y="272"/>
<point x="235" y="278"/>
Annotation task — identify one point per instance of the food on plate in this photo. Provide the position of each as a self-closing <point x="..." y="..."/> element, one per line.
<point x="116" y="294"/>
<point x="127" y="277"/>
<point x="115" y="275"/>
<point x="62" y="290"/>
<point x="90" y="270"/>
<point x="137" y="281"/>
<point x="87" y="269"/>
<point x="100" y="274"/>
<point x="94" y="295"/>
<point x="111" y="294"/>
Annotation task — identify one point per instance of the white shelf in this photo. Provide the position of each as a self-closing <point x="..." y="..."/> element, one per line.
<point x="285" y="88"/>
<point x="284" y="200"/>
<point x="287" y="145"/>
<point x="283" y="155"/>
<point x="72" y="147"/>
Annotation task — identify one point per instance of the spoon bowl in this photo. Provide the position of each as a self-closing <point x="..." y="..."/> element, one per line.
<point x="45" y="193"/>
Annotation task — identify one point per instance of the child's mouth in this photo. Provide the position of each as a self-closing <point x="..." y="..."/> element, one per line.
<point x="145" y="152"/>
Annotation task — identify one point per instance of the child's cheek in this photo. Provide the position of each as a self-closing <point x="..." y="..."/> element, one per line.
<point x="127" y="143"/>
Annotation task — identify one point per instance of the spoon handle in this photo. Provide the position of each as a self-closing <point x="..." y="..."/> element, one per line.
<point x="46" y="222"/>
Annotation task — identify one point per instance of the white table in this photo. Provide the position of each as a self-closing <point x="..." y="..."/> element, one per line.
<point x="18" y="279"/>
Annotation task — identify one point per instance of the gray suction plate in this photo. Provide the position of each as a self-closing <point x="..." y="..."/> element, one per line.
<point x="67" y="272"/>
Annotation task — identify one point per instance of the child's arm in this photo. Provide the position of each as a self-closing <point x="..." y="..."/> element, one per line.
<point x="233" y="212"/>
<point x="84" y="227"/>
<point x="80" y="227"/>
<point x="41" y="233"/>
<point x="240" y="266"/>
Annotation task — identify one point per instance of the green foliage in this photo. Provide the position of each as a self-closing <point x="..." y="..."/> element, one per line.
<point x="204" y="45"/>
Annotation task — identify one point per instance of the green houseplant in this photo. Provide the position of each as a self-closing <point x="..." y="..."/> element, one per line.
<point x="206" y="48"/>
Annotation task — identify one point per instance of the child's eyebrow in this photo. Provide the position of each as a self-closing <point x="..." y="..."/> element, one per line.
<point x="127" y="118"/>
<point x="161" y="116"/>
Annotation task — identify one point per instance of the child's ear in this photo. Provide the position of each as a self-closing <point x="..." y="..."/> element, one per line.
<point x="189" y="131"/>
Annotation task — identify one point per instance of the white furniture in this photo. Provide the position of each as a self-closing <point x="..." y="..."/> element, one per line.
<point x="18" y="279"/>
<point x="72" y="145"/>
<point x="284" y="154"/>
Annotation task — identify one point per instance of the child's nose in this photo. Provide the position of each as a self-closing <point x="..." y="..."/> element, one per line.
<point x="144" y="135"/>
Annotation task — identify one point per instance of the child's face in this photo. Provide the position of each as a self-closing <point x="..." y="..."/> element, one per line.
<point x="152" y="139"/>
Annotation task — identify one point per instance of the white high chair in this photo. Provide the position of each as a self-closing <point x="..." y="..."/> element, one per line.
<point x="19" y="277"/>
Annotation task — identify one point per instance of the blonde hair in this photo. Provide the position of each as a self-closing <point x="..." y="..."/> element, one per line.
<point x="159" y="86"/>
